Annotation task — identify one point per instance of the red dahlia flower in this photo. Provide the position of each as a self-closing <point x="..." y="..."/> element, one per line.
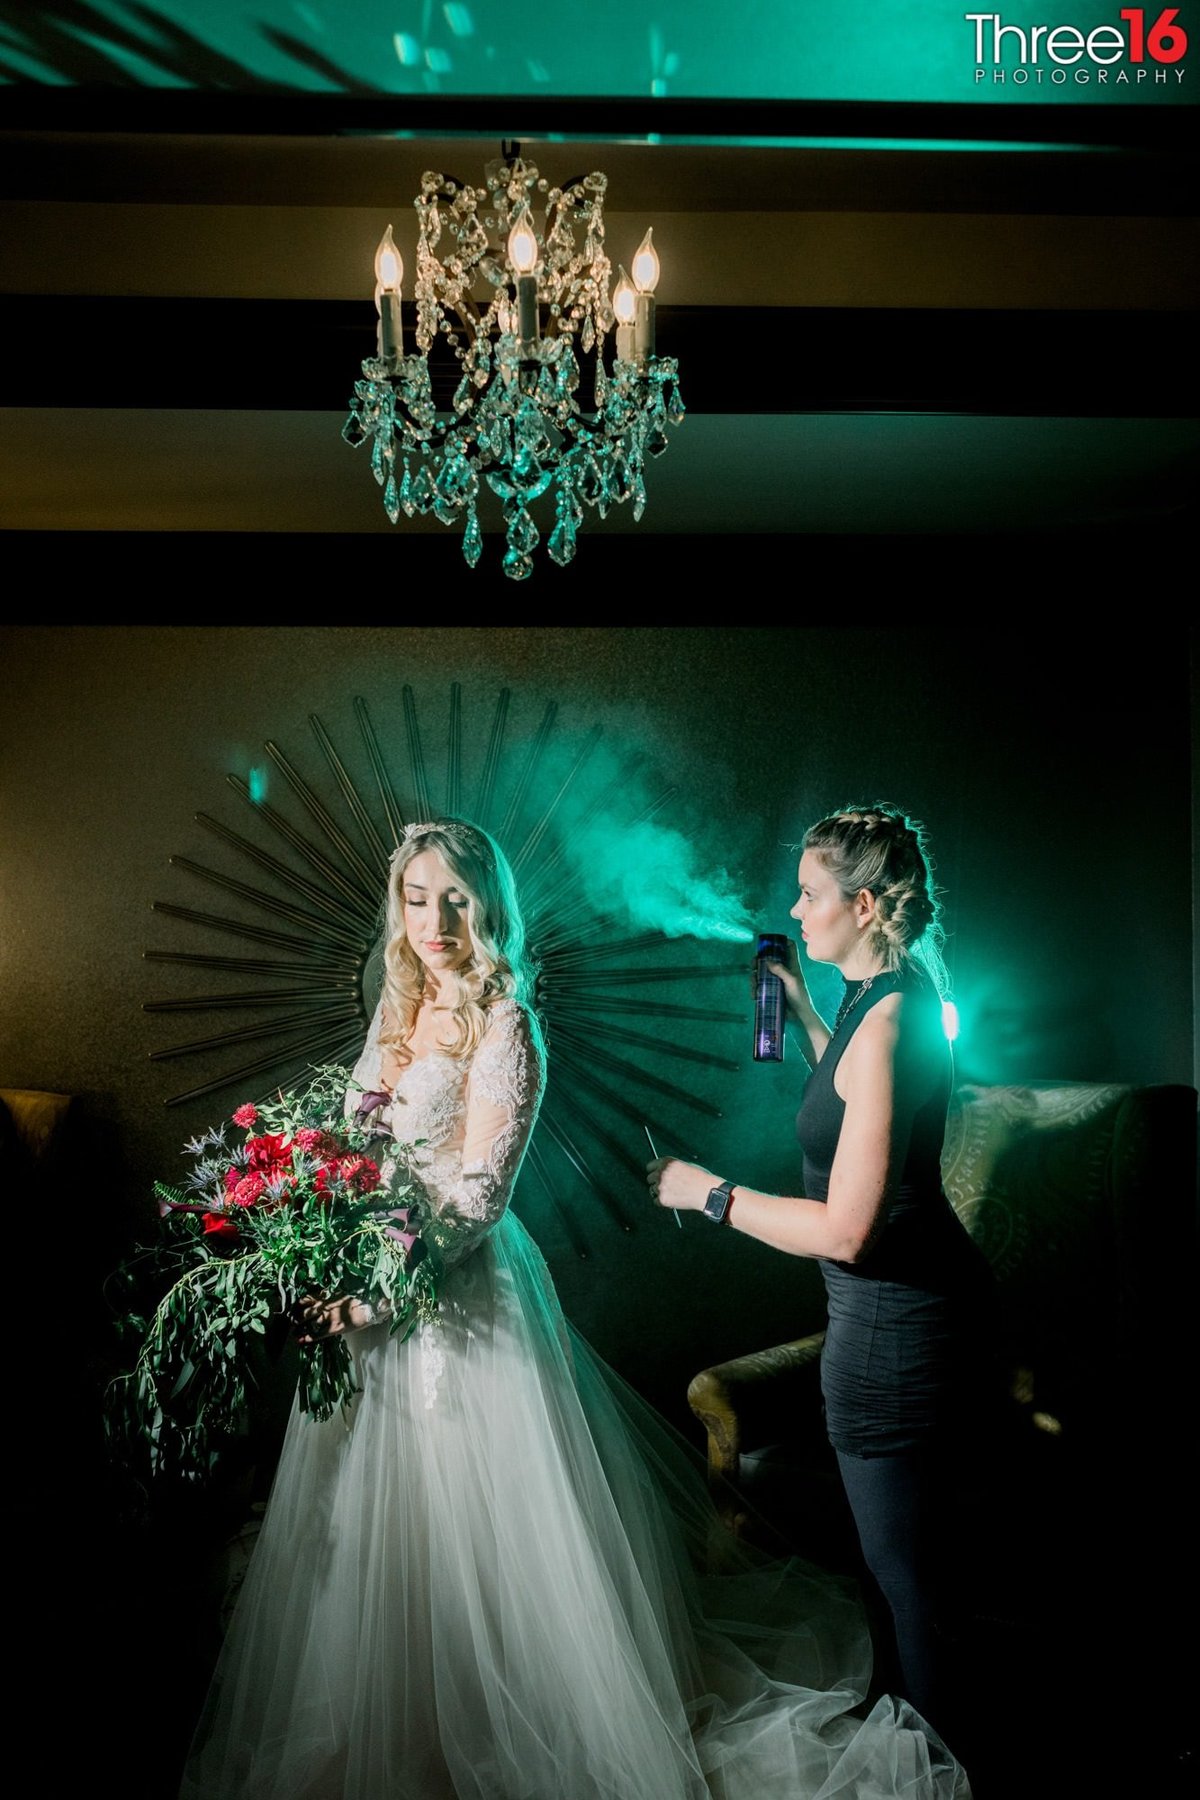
<point x="268" y="1152"/>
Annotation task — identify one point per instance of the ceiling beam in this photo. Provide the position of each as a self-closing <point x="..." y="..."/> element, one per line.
<point x="264" y="110"/>
<point x="305" y="355"/>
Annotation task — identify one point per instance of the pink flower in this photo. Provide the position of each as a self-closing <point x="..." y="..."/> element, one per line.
<point x="352" y="1170"/>
<point x="310" y="1139"/>
<point x="248" y="1190"/>
<point x="246" y="1115"/>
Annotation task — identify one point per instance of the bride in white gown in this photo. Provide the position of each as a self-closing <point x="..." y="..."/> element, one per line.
<point x="488" y="1581"/>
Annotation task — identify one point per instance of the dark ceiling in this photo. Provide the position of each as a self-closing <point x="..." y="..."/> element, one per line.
<point x="888" y="324"/>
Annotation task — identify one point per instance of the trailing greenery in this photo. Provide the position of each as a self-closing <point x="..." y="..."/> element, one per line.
<point x="308" y="1207"/>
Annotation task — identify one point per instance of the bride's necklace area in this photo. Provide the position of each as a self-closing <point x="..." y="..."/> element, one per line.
<point x="850" y="1000"/>
<point x="424" y="1040"/>
<point x="429" y="1027"/>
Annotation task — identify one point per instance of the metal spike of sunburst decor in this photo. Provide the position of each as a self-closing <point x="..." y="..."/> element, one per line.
<point x="311" y="905"/>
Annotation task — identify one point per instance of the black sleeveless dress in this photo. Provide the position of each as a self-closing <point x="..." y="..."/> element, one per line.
<point x="911" y="1341"/>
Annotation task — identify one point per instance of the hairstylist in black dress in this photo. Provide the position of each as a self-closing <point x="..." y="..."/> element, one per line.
<point x="909" y="1346"/>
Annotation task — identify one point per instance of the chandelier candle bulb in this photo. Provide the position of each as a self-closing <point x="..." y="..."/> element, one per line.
<point x="522" y="254"/>
<point x="389" y="272"/>
<point x="624" y="305"/>
<point x="646" y="266"/>
<point x="646" y="271"/>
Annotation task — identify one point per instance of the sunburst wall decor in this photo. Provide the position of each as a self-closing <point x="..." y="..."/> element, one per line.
<point x="643" y="983"/>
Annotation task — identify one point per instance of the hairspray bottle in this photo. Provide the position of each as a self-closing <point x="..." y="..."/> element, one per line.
<point x="769" y="1004"/>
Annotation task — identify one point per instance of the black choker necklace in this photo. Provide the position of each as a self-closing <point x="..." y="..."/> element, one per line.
<point x="850" y="999"/>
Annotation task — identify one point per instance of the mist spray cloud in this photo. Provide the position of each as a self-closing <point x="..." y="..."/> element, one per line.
<point x="646" y="874"/>
<point x="657" y="879"/>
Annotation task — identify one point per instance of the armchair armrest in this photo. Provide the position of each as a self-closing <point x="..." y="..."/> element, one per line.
<point x="756" y="1399"/>
<point x="747" y="1404"/>
<point x="36" y="1128"/>
<point x="37" y="1114"/>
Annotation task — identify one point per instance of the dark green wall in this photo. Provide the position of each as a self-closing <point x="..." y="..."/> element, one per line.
<point x="1052" y="771"/>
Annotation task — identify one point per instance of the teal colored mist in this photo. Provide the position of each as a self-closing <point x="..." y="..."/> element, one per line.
<point x="641" y="857"/>
<point x="657" y="878"/>
<point x="905" y="50"/>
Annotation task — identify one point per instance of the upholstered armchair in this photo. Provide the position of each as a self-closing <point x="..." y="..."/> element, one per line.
<point x="36" y="1128"/>
<point x="1083" y="1197"/>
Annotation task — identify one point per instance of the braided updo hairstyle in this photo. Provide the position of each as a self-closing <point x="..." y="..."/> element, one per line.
<point x="880" y="848"/>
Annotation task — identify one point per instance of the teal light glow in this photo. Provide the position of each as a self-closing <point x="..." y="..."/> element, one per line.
<point x="741" y="141"/>
<point x="958" y="145"/>
<point x="257" y="785"/>
<point x="949" y="1020"/>
<point x="908" y="51"/>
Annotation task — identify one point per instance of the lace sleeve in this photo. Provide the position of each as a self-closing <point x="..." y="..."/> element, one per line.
<point x="503" y="1095"/>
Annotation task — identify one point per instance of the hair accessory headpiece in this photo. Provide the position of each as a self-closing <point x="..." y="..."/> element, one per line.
<point x="410" y="832"/>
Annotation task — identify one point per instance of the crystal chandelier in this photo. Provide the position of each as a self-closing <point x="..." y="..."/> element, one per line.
<point x="523" y="308"/>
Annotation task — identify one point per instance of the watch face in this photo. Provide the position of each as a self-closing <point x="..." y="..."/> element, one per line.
<point x="717" y="1204"/>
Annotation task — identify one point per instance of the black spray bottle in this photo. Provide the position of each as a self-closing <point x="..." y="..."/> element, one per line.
<point x="770" y="1008"/>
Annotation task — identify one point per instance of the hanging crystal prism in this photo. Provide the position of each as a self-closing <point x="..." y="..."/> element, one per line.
<point x="472" y="537"/>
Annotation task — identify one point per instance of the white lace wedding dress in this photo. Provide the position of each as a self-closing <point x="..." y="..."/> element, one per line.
<point x="488" y="1582"/>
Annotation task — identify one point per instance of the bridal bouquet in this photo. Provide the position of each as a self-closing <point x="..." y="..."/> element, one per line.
<point x="300" y="1209"/>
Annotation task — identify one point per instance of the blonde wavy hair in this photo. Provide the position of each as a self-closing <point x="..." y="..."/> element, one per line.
<point x="499" y="965"/>
<point x="880" y="848"/>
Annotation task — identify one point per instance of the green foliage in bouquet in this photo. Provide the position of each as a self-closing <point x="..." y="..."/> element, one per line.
<point x="308" y="1207"/>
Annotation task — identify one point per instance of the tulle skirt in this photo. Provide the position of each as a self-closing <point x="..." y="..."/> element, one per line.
<point x="493" y="1581"/>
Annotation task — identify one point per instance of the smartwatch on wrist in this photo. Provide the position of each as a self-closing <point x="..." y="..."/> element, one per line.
<point x="717" y="1204"/>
